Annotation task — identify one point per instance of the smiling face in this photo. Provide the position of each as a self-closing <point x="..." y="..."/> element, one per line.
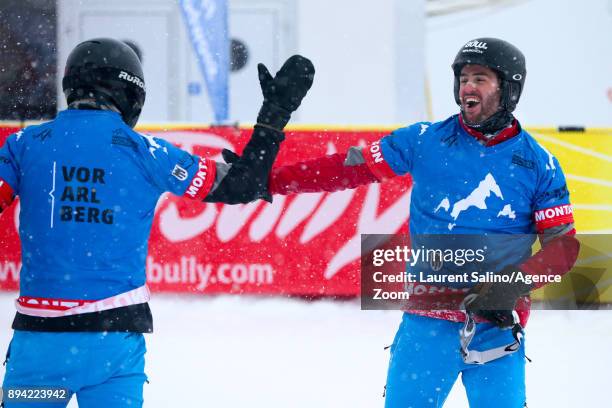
<point x="479" y="92"/>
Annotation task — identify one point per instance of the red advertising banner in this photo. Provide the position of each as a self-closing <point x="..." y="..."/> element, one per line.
<point x="306" y="244"/>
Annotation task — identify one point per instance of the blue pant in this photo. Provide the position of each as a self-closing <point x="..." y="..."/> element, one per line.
<point x="103" y="369"/>
<point x="426" y="361"/>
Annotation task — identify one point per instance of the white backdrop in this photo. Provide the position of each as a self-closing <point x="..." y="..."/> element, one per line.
<point x="375" y="59"/>
<point x="568" y="48"/>
<point x="362" y="51"/>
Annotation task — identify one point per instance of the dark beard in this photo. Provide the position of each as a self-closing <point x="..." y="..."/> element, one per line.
<point x="493" y="124"/>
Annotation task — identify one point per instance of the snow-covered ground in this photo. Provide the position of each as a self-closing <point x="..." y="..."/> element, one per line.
<point x="231" y="351"/>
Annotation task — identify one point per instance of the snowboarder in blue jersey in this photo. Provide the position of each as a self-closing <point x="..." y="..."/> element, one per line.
<point x="477" y="172"/>
<point x="88" y="185"/>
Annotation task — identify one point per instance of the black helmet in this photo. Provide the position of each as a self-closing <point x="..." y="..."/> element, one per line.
<point x="107" y="70"/>
<point x="503" y="58"/>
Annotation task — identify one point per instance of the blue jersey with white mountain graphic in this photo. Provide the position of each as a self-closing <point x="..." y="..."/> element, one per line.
<point x="88" y="187"/>
<point x="463" y="187"/>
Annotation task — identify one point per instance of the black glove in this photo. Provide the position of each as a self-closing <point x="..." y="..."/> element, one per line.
<point x="495" y="302"/>
<point x="247" y="179"/>
<point x="284" y="92"/>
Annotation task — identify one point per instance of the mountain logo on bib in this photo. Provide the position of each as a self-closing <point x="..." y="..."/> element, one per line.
<point x="477" y="198"/>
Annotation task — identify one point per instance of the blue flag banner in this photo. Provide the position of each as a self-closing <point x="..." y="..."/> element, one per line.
<point x="207" y="23"/>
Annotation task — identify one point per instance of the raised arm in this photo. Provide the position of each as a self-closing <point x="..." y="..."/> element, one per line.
<point x="329" y="173"/>
<point x="383" y="159"/>
<point x="245" y="179"/>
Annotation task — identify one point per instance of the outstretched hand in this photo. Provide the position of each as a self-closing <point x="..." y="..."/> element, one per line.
<point x="248" y="177"/>
<point x="290" y="84"/>
<point x="284" y="92"/>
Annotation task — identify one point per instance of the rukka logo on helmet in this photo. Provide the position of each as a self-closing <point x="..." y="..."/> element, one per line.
<point x="131" y="78"/>
<point x="475" y="46"/>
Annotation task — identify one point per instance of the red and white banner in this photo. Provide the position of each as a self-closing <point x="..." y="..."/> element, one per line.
<point x="306" y="244"/>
